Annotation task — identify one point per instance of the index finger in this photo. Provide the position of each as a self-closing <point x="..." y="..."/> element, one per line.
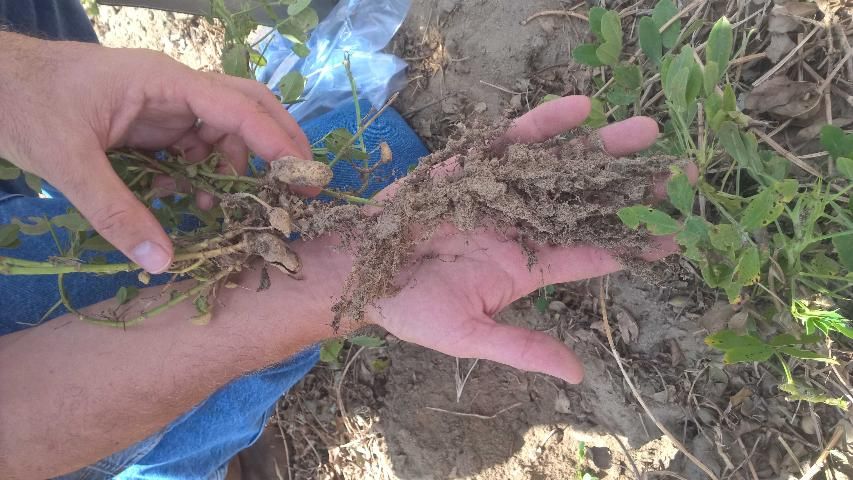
<point x="228" y="110"/>
<point x="554" y="118"/>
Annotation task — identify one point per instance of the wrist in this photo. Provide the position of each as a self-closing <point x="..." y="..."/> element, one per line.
<point x="299" y="306"/>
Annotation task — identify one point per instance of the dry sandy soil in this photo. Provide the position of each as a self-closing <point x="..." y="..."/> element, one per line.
<point x="411" y="413"/>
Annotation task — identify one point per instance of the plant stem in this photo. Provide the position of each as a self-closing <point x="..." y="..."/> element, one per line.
<point x="351" y="198"/>
<point x="361" y="130"/>
<point x="788" y="375"/>
<point x="174" y="300"/>
<point x="348" y="69"/>
<point x="232" y="178"/>
<point x="827" y="277"/>
<point x="16" y="266"/>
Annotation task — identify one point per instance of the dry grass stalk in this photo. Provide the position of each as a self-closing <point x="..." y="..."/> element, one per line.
<point x="606" y="324"/>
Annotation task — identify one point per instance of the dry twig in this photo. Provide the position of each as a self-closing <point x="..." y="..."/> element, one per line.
<point x="564" y="13"/>
<point x="817" y="466"/>
<point x="475" y="415"/>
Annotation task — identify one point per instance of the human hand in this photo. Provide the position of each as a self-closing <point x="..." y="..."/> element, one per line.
<point x="464" y="278"/>
<point x="72" y="101"/>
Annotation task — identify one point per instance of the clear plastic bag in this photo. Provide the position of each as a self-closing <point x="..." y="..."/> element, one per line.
<point x="358" y="28"/>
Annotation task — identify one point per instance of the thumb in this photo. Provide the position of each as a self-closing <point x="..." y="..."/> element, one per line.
<point x="114" y="211"/>
<point x="520" y="348"/>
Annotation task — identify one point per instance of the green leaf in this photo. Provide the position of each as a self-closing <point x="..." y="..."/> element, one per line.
<point x="305" y="20"/>
<point x="257" y="58"/>
<point x="694" y="233"/>
<point x="716" y="275"/>
<point x="126" y="294"/>
<point x="301" y="50"/>
<point x="595" y="15"/>
<point x="628" y="76"/>
<point x="845" y="167"/>
<point x="97" y="243"/>
<point x="337" y="141"/>
<point x="330" y="350"/>
<point x="585" y="55"/>
<point x="743" y="148"/>
<point x="844" y="248"/>
<point x="748" y="270"/>
<point x="663" y="11"/>
<point x="541" y="303"/>
<point x="291" y="87"/>
<point x="202" y="306"/>
<point x="657" y="222"/>
<point x="783" y="340"/>
<point x="596" y="118"/>
<point x="729" y="99"/>
<point x="235" y="61"/>
<point x="678" y="84"/>
<point x="729" y="339"/>
<point x="824" y="265"/>
<point x="836" y="142"/>
<point x="763" y="209"/>
<point x="724" y="237"/>
<point x="292" y="32"/>
<point x="801" y="392"/>
<point x="9" y="235"/>
<point x="806" y="354"/>
<point x="751" y="354"/>
<point x="711" y="76"/>
<point x="787" y="189"/>
<point x="9" y="172"/>
<point x="71" y="221"/>
<point x="380" y="365"/>
<point x="650" y="40"/>
<point x="608" y="53"/>
<point x="33" y="182"/>
<point x="713" y="102"/>
<point x="297" y="7"/>
<point x="719" y="46"/>
<point x="775" y="166"/>
<point x="694" y="84"/>
<point x="611" y="32"/>
<point x="680" y="193"/>
<point x="40" y="226"/>
<point x="368" y="341"/>
<point x="619" y="96"/>
<point x="676" y="89"/>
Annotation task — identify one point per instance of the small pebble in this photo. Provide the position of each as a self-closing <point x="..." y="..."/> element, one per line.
<point x="807" y="424"/>
<point x="557" y="306"/>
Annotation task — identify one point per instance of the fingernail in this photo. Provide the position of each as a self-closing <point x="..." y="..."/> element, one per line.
<point x="151" y="257"/>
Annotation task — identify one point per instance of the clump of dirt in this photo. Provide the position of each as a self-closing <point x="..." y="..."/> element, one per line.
<point x="564" y="191"/>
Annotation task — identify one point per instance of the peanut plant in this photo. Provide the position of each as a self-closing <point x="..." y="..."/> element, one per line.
<point x="775" y="241"/>
<point x="209" y="245"/>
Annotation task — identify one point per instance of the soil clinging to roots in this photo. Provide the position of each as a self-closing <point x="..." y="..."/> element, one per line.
<point x="564" y="191"/>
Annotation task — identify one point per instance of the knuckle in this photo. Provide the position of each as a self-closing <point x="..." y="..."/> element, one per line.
<point x="111" y="218"/>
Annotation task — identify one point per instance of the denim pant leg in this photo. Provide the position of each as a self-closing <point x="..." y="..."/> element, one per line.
<point x="200" y="443"/>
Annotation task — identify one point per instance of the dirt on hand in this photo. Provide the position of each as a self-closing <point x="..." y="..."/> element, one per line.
<point x="564" y="191"/>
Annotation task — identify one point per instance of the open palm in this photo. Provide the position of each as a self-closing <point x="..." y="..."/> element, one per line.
<point x="465" y="278"/>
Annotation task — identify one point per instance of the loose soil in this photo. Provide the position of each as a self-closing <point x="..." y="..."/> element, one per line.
<point x="564" y="191"/>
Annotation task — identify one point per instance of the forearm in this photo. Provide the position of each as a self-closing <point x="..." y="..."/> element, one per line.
<point x="109" y="388"/>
